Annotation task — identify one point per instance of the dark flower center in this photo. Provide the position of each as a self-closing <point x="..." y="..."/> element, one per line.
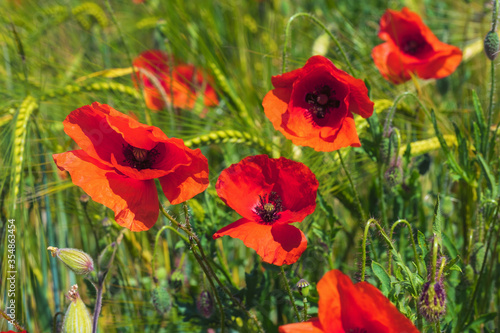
<point x="321" y="101"/>
<point x="411" y="47"/>
<point x="139" y="158"/>
<point x="269" y="208"/>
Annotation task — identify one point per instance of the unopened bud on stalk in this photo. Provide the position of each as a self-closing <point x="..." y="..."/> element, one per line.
<point x="161" y="300"/>
<point x="432" y="302"/>
<point x="205" y="304"/>
<point x="77" y="318"/>
<point x="491" y="45"/>
<point x="76" y="260"/>
<point x="303" y="287"/>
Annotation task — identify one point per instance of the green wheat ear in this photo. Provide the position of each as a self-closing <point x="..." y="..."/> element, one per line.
<point x="25" y="110"/>
<point x="228" y="136"/>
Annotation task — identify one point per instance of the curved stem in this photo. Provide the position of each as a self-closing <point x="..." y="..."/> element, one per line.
<point x="287" y="287"/>
<point x="356" y="196"/>
<point x="388" y="120"/>
<point x="318" y="22"/>
<point x="415" y="253"/>
<point x="11" y="321"/>
<point x="157" y="238"/>
<point x="363" y="248"/>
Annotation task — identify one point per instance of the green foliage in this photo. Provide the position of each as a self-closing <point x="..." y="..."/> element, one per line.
<point x="437" y="169"/>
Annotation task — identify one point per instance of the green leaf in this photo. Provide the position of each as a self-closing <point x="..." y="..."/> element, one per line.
<point x="490" y="179"/>
<point x="452" y="265"/>
<point x="479" y="112"/>
<point x="455" y="167"/>
<point x="383" y="277"/>
<point x="475" y="325"/>
<point x="438" y="222"/>
<point x="463" y="152"/>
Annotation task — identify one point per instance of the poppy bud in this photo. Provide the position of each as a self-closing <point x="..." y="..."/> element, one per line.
<point x="432" y="302"/>
<point x="303" y="287"/>
<point x="76" y="260"/>
<point x="161" y="300"/>
<point x="491" y="45"/>
<point x="77" y="318"/>
<point x="205" y="304"/>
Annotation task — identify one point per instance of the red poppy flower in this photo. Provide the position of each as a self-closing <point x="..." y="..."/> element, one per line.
<point x="180" y="86"/>
<point x="269" y="194"/>
<point x="119" y="160"/>
<point x="344" y="307"/>
<point x="411" y="47"/>
<point x="313" y="105"/>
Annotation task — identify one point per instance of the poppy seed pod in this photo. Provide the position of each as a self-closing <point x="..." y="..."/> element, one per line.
<point x="77" y="318"/>
<point x="76" y="260"/>
<point x="491" y="45"/>
<point x="304" y="287"/>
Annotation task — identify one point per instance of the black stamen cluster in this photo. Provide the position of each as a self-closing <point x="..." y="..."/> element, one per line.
<point x="320" y="101"/>
<point x="145" y="163"/>
<point x="269" y="207"/>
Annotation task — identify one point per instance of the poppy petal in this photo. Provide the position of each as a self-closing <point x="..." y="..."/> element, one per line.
<point x="240" y="185"/>
<point x="281" y="246"/>
<point x="311" y="326"/>
<point x="297" y="185"/>
<point x="187" y="180"/>
<point x="134" y="202"/>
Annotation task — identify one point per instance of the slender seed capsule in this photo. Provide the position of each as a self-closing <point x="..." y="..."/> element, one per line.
<point x="76" y="260"/>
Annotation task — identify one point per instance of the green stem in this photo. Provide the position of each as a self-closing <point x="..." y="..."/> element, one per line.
<point x="437" y="329"/>
<point x="305" y="309"/>
<point x="490" y="108"/>
<point x="363" y="248"/>
<point x="383" y="207"/>
<point x="415" y="253"/>
<point x="435" y="246"/>
<point x="356" y="196"/>
<point x="388" y="119"/>
<point x="318" y="22"/>
<point x="476" y="285"/>
<point x="494" y="16"/>
<point x="289" y="291"/>
<point x="157" y="238"/>
<point x="212" y="285"/>
<point x="127" y="53"/>
<point x="194" y="237"/>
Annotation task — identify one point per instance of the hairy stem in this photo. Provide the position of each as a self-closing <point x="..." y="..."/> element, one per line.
<point x="318" y="22"/>
<point x="289" y="291"/>
<point x="361" y="212"/>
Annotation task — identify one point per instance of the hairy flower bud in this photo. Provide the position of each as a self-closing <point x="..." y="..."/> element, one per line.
<point x="303" y="287"/>
<point x="77" y="318"/>
<point x="205" y="304"/>
<point x="432" y="301"/>
<point x="491" y="45"/>
<point x="161" y="300"/>
<point x="76" y="260"/>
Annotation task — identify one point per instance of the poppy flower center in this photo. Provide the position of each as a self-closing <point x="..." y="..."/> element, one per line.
<point x="321" y="101"/>
<point x="269" y="207"/>
<point x="411" y="47"/>
<point x="139" y="158"/>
